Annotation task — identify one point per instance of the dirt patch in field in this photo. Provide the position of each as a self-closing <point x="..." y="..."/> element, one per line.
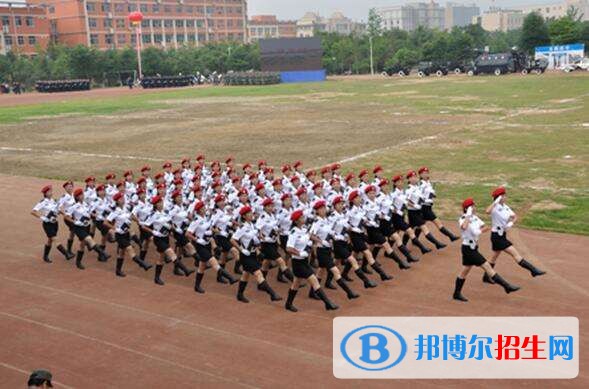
<point x="563" y="101"/>
<point x="547" y="205"/>
<point x="539" y="184"/>
<point x="463" y="98"/>
<point x="402" y="93"/>
<point x="544" y="111"/>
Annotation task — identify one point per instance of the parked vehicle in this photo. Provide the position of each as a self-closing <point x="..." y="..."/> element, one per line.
<point x="581" y="64"/>
<point x="500" y="63"/>
<point x="399" y="70"/>
<point x="425" y="69"/>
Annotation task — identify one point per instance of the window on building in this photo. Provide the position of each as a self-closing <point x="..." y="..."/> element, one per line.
<point x="169" y="38"/>
<point x="132" y="8"/>
<point x="8" y="40"/>
<point x="133" y="39"/>
<point x="92" y="22"/>
<point x="143" y="7"/>
<point x="200" y="10"/>
<point x="93" y="39"/>
<point x="229" y="22"/>
<point x="168" y="23"/>
<point x="201" y="37"/>
<point x="107" y="23"/>
<point x="32" y="40"/>
<point x="179" y="23"/>
<point x="157" y="38"/>
<point x="210" y="10"/>
<point x="105" y="7"/>
<point x="18" y="21"/>
<point x="108" y="39"/>
<point x="200" y="23"/>
<point x="191" y="38"/>
<point x="145" y="23"/>
<point x="155" y="8"/>
<point x="29" y="21"/>
<point x="156" y="23"/>
<point x="90" y="7"/>
<point x="120" y="23"/>
<point x="5" y="21"/>
<point x="146" y="38"/>
<point x="121" y="39"/>
<point x="180" y="38"/>
<point x="51" y="9"/>
<point x="119" y="7"/>
<point x="190" y="23"/>
<point x="179" y="9"/>
<point x="189" y="9"/>
<point x="167" y="9"/>
<point x="20" y="40"/>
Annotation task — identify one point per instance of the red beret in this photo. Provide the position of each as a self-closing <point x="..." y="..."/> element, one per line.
<point x="178" y="181"/>
<point x="245" y="209"/>
<point x="128" y="173"/>
<point x="89" y="179"/>
<point x="199" y="205"/>
<point x="369" y="188"/>
<point x="184" y="160"/>
<point x="156" y="199"/>
<point x="353" y="194"/>
<point x="284" y="196"/>
<point x="260" y="186"/>
<point x="243" y="191"/>
<point x="467" y="203"/>
<point x="235" y="179"/>
<point x="247" y="165"/>
<point x="363" y="173"/>
<point x="261" y="162"/>
<point x="219" y="198"/>
<point x="253" y="176"/>
<point x="100" y="188"/>
<point x="118" y="196"/>
<point x="140" y="191"/>
<point x="177" y="171"/>
<point x="268" y="170"/>
<point x="397" y="178"/>
<point x="337" y="199"/>
<point x="167" y="165"/>
<point x="67" y="183"/>
<point x="46" y="189"/>
<point x="277" y="182"/>
<point x="349" y="177"/>
<point x="334" y="181"/>
<point x="310" y="173"/>
<point x="215" y="163"/>
<point x="336" y="166"/>
<point x="285" y="168"/>
<point x="294" y="178"/>
<point x="145" y="168"/>
<point x="267" y="201"/>
<point x="216" y="183"/>
<point x="318" y="204"/>
<point x="297" y="164"/>
<point x="158" y="176"/>
<point x="300" y="191"/>
<point x="200" y="157"/>
<point x="411" y="173"/>
<point x="377" y="169"/>
<point x="110" y="176"/>
<point x="229" y="159"/>
<point x="176" y="193"/>
<point x="498" y="192"/>
<point x="383" y="182"/>
<point x="120" y="183"/>
<point x="325" y="169"/>
<point x="318" y="184"/>
<point x="161" y="186"/>
<point x="196" y="189"/>
<point x="78" y="192"/>
<point x="423" y="170"/>
<point x="141" y="180"/>
<point x="296" y="215"/>
<point x="215" y="174"/>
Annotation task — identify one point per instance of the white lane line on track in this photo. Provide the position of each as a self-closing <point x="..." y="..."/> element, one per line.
<point x="66" y="152"/>
<point x="11" y="367"/>
<point x="123" y="348"/>
<point x="173" y="319"/>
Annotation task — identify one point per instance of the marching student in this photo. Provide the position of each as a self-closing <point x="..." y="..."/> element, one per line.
<point x="79" y="217"/>
<point x="299" y="246"/>
<point x="141" y="212"/>
<point x="502" y="219"/>
<point x="414" y="209"/>
<point x="471" y="228"/>
<point x="111" y="186"/>
<point x="145" y="174"/>
<point x="65" y="203"/>
<point x="90" y="190"/>
<point x="428" y="195"/>
<point x="321" y="233"/>
<point x="399" y="224"/>
<point x="160" y="225"/>
<point x="120" y="220"/>
<point x="47" y="211"/>
<point x="222" y="223"/>
<point x="100" y="209"/>
<point x="200" y="232"/>
<point x="179" y="216"/>
<point x="246" y="240"/>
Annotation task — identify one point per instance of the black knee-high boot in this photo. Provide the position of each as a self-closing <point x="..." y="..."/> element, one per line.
<point x="64" y="252"/>
<point x="417" y="232"/>
<point x="102" y="256"/>
<point x="265" y="274"/>
<point x="237" y="267"/>
<point x="534" y="271"/>
<point x="142" y="264"/>
<point x="458" y="290"/>
<point x="403" y="265"/>
<point x="383" y="275"/>
<point x="405" y="239"/>
<point x="486" y="278"/>
<point x="266" y="288"/>
<point x="290" y="300"/>
<point x="158" y="272"/>
<point x="224" y="274"/>
<point x="119" y="271"/>
<point x="368" y="283"/>
<point x="375" y="251"/>
<point x="79" y="257"/>
<point x="405" y="251"/>
<point x="449" y="234"/>
<point x="312" y="294"/>
<point x="329" y="305"/>
<point x="46" y="250"/>
<point x="240" y="292"/>
<point x="506" y="285"/>
<point x="365" y="267"/>
<point x="142" y="254"/>
<point x="346" y="272"/>
<point x="220" y="278"/>
<point x="328" y="280"/>
<point x="187" y="272"/>
<point x="417" y="243"/>
<point x="437" y="243"/>
<point x="197" y="281"/>
<point x="70" y="243"/>
<point x="349" y="292"/>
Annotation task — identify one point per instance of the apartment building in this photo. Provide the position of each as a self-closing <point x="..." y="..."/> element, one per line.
<point x="557" y="10"/>
<point x="336" y="23"/>
<point x="268" y="26"/>
<point x="459" y="15"/>
<point x="496" y="19"/>
<point x="24" y="28"/>
<point x="410" y="16"/>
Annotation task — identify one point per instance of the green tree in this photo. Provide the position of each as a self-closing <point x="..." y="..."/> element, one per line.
<point x="534" y="32"/>
<point x="404" y="57"/>
<point x="564" y="30"/>
<point x="374" y="27"/>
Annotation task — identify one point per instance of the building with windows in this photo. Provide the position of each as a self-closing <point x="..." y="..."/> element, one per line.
<point x="336" y="23"/>
<point x="24" y="28"/>
<point x="460" y="15"/>
<point x="268" y="26"/>
<point x="166" y="23"/>
<point x="496" y="19"/>
<point x="410" y="16"/>
<point x="557" y="10"/>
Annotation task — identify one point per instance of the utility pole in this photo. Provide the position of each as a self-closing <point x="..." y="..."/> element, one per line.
<point x="371" y="58"/>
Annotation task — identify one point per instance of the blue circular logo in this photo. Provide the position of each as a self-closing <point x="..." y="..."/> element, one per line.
<point x="371" y="341"/>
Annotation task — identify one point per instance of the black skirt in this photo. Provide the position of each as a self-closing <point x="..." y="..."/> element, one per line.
<point x="223" y="243"/>
<point x="101" y="227"/>
<point x="162" y="243"/>
<point x="324" y="258"/>
<point x="249" y="263"/>
<point x="472" y="257"/>
<point x="415" y="218"/>
<point x="428" y="213"/>
<point x="301" y="268"/>
<point x="269" y="251"/>
<point x="180" y="238"/>
<point x="358" y="242"/>
<point x="399" y="223"/>
<point x="50" y="229"/>
<point x="499" y="242"/>
<point x="144" y="235"/>
<point x="204" y="252"/>
<point x="283" y="241"/>
<point x="386" y="228"/>
<point x="82" y="232"/>
<point x="123" y="240"/>
<point x="341" y="250"/>
<point x="374" y="236"/>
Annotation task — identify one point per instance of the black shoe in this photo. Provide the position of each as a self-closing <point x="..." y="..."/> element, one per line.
<point x="290" y="300"/>
<point x="449" y="234"/>
<point x="346" y="272"/>
<point x="237" y="268"/>
<point x="281" y="278"/>
<point x="225" y="274"/>
<point x="534" y="271"/>
<point x="403" y="249"/>
<point x="506" y="285"/>
<point x="220" y="278"/>
<point x="403" y="265"/>
<point x="65" y="253"/>
<point x="329" y="281"/>
<point x="365" y="268"/>
<point x="459" y="283"/>
<point x="313" y="295"/>
<point x="349" y="292"/>
<point x="383" y="275"/>
<point x="142" y="264"/>
<point x="417" y="243"/>
<point x="158" y="272"/>
<point x="439" y="245"/>
<point x="329" y="305"/>
<point x="177" y="271"/>
<point x="268" y="289"/>
<point x="368" y="283"/>
<point x="240" y="292"/>
<point x="79" y="257"/>
<point x="197" y="287"/>
<point x="487" y="279"/>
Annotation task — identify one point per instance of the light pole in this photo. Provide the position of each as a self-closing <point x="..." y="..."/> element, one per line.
<point x="371" y="59"/>
<point x="135" y="18"/>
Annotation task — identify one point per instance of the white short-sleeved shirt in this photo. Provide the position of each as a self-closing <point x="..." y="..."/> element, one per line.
<point x="121" y="218"/>
<point x="48" y="210"/>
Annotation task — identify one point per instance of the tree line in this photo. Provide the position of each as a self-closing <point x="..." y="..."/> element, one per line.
<point x="342" y="53"/>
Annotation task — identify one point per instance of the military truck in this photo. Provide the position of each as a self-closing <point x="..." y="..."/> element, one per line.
<point x="397" y="69"/>
<point x="425" y="69"/>
<point x="500" y="63"/>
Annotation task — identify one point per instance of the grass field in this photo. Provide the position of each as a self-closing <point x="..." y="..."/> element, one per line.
<point x="529" y="133"/>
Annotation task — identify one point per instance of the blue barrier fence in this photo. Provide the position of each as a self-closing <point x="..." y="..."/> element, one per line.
<point x="303" y="76"/>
